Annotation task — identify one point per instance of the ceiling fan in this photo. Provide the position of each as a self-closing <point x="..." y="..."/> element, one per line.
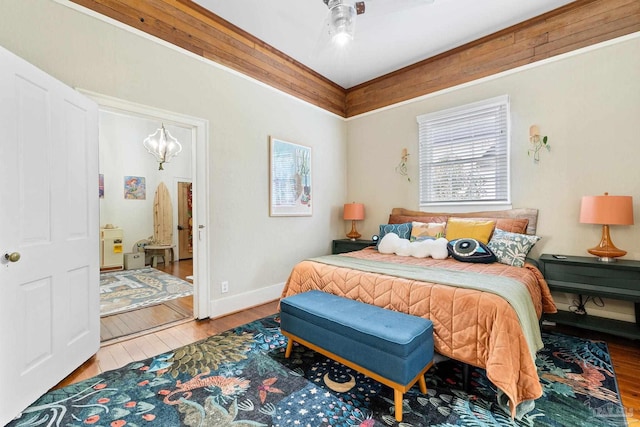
<point x="342" y="15"/>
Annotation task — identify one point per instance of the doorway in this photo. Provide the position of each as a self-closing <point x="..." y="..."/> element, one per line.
<point x="190" y="262"/>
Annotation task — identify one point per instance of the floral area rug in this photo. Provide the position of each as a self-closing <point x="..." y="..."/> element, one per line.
<point x="131" y="289"/>
<point x="241" y="378"/>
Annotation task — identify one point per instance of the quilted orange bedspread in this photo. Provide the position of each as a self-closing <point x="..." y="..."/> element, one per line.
<point x="471" y="326"/>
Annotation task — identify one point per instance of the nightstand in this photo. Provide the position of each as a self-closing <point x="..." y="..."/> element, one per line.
<point x="341" y="246"/>
<point x="588" y="276"/>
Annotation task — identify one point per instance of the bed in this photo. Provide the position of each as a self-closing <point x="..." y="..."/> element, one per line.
<point x="473" y="326"/>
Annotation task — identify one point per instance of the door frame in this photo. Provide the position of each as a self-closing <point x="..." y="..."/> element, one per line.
<point x="200" y="179"/>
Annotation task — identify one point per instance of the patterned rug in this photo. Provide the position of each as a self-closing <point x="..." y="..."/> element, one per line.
<point x="240" y="378"/>
<point x="131" y="289"/>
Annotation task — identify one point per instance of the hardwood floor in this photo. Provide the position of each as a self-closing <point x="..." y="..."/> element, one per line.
<point x="126" y="325"/>
<point x="181" y="269"/>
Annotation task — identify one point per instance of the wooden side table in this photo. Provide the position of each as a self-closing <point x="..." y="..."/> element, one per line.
<point x="167" y="252"/>
<point x="588" y="276"/>
<point x="341" y="246"/>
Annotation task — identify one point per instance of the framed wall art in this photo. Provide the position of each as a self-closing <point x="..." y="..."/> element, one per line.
<point x="290" y="192"/>
<point x="101" y="186"/>
<point x="135" y="188"/>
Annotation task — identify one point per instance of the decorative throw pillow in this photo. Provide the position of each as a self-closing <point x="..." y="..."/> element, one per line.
<point x="511" y="248"/>
<point x="402" y="230"/>
<point x="434" y="248"/>
<point x="513" y="225"/>
<point x="470" y="250"/>
<point x="459" y="228"/>
<point x="427" y="230"/>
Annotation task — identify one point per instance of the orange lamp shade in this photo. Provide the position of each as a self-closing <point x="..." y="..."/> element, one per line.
<point x="606" y="210"/>
<point x="610" y="210"/>
<point x="354" y="211"/>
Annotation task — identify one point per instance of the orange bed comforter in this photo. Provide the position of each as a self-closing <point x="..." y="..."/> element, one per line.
<point x="471" y="326"/>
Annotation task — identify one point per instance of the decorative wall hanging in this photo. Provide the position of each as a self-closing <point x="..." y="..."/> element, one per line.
<point x="290" y="179"/>
<point x="537" y="142"/>
<point x="402" y="166"/>
<point x="135" y="188"/>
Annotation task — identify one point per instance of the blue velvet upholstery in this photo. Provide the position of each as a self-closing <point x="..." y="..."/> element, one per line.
<point x="394" y="345"/>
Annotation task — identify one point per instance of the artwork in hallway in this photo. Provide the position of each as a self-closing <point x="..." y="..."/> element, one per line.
<point x="135" y="188"/>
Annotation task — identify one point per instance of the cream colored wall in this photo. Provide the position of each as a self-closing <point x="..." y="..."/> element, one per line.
<point x="249" y="249"/>
<point x="587" y="104"/>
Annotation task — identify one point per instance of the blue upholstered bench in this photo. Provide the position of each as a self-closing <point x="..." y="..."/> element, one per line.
<point x="393" y="348"/>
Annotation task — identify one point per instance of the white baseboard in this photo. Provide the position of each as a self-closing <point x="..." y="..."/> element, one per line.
<point x="223" y="306"/>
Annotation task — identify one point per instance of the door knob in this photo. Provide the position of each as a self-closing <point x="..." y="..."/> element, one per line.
<point x="12" y="257"/>
<point x="180" y="227"/>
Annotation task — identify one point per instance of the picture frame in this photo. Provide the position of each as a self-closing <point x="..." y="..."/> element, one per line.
<point x="135" y="188"/>
<point x="290" y="179"/>
<point x="101" y="186"/>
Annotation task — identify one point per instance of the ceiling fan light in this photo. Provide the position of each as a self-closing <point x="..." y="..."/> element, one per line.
<point x="342" y="38"/>
<point x="342" y="22"/>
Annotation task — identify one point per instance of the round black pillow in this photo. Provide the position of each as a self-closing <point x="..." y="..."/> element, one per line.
<point x="470" y="250"/>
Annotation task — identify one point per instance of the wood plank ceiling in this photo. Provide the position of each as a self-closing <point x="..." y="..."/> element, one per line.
<point x="191" y="27"/>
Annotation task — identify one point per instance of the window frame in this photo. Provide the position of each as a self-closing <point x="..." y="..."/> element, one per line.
<point x="502" y="187"/>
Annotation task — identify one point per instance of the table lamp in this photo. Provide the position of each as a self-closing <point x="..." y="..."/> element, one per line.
<point x="354" y="212"/>
<point x="606" y="210"/>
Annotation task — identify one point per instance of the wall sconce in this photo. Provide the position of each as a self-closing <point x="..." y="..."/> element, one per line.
<point x="402" y="166"/>
<point x="354" y="212"/>
<point x="162" y="145"/>
<point x="537" y="142"/>
<point x="606" y="210"/>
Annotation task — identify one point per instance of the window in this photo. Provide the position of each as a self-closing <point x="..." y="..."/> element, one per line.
<point x="464" y="154"/>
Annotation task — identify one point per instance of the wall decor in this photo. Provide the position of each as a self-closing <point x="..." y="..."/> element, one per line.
<point x="101" y="186"/>
<point x="538" y="142"/>
<point x="289" y="179"/>
<point x="402" y="168"/>
<point x="135" y="188"/>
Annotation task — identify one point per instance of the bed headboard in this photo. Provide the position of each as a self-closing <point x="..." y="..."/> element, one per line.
<point x="406" y="215"/>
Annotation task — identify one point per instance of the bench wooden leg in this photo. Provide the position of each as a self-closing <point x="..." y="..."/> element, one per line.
<point x="397" y="397"/>
<point x="423" y="384"/>
<point x="287" y="352"/>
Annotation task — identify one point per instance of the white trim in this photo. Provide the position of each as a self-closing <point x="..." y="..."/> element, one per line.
<point x="455" y="123"/>
<point x="224" y="306"/>
<point x="199" y="155"/>
<point x="498" y="100"/>
<point x="166" y="44"/>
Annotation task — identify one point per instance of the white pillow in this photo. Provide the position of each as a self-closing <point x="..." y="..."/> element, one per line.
<point x="388" y="243"/>
<point x="391" y="243"/>
<point x="436" y="249"/>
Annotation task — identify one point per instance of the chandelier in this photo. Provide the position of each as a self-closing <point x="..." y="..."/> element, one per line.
<point x="162" y="145"/>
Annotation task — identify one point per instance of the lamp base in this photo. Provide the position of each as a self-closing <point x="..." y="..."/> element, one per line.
<point x="606" y="259"/>
<point x="353" y="234"/>
<point x="606" y="251"/>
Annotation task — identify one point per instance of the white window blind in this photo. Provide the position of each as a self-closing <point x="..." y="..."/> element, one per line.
<point x="464" y="154"/>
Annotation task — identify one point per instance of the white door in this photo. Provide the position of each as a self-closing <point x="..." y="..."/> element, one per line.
<point x="49" y="298"/>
